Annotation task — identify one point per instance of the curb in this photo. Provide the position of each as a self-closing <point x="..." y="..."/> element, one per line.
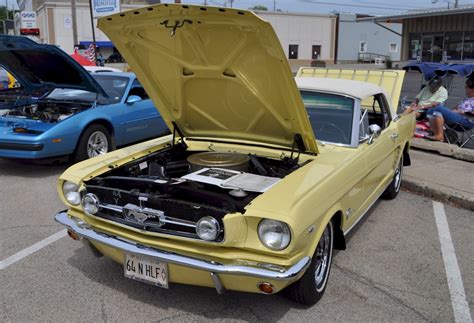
<point x="438" y="192"/>
<point x="444" y="149"/>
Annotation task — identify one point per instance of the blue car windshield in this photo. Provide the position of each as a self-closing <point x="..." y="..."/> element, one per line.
<point x="114" y="86"/>
<point x="330" y="115"/>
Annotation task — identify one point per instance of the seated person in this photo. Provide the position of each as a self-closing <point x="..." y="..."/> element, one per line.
<point x="440" y="115"/>
<point x="430" y="96"/>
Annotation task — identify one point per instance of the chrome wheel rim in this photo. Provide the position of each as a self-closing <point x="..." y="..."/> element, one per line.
<point x="323" y="257"/>
<point x="398" y="176"/>
<point x="97" y="144"/>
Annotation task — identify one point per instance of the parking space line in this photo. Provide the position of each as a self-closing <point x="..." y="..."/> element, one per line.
<point x="32" y="249"/>
<point x="453" y="274"/>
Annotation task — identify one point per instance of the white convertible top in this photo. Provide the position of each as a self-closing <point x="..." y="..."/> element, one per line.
<point x="356" y="89"/>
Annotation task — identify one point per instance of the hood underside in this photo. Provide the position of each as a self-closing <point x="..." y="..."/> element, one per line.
<point x="40" y="67"/>
<point x="214" y="72"/>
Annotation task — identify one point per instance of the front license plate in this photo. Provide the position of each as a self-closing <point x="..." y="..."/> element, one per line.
<point x="145" y="269"/>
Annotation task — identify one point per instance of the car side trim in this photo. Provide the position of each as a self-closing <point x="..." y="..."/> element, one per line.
<point x="83" y="230"/>
<point x="24" y="147"/>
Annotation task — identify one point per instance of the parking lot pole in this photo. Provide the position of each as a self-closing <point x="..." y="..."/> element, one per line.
<point x="93" y="31"/>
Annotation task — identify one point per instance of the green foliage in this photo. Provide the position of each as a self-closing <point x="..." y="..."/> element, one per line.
<point x="6" y="14"/>
<point x="259" y="7"/>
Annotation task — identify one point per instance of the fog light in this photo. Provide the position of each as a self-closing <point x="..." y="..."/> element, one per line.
<point x="265" y="288"/>
<point x="207" y="228"/>
<point x="90" y="204"/>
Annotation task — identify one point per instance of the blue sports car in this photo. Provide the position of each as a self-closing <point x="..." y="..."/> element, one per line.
<point x="60" y="109"/>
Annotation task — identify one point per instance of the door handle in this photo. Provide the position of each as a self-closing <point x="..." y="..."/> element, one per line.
<point x="394" y="136"/>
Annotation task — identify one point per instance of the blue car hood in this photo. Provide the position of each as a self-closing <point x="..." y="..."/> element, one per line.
<point x="39" y="67"/>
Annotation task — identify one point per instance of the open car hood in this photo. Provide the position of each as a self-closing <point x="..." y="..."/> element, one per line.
<point x="39" y="67"/>
<point x="214" y="72"/>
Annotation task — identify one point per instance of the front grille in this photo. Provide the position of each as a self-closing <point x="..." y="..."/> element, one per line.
<point x="152" y="213"/>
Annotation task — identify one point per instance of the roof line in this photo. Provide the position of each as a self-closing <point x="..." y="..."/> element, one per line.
<point x="420" y="14"/>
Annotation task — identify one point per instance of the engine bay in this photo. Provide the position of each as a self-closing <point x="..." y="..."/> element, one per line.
<point x="47" y="111"/>
<point x="172" y="189"/>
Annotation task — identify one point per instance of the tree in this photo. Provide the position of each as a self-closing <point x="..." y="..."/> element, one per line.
<point x="259" y="7"/>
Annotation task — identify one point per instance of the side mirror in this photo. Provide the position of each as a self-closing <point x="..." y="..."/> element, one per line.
<point x="374" y="131"/>
<point x="133" y="99"/>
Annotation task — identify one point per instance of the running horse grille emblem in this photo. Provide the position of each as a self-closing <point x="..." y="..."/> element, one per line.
<point x="139" y="214"/>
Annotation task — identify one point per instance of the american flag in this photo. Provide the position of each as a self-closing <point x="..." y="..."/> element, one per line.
<point x="90" y="53"/>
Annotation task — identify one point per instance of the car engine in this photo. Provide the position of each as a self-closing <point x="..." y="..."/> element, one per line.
<point x="51" y="112"/>
<point x="169" y="191"/>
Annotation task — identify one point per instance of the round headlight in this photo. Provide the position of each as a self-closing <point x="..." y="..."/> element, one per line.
<point x="207" y="228"/>
<point x="273" y="234"/>
<point x="71" y="194"/>
<point x="90" y="204"/>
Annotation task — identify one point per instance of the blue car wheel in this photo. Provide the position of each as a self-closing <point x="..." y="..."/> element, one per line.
<point x="95" y="141"/>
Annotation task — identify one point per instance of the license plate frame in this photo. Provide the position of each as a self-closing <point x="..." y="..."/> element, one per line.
<point x="146" y="270"/>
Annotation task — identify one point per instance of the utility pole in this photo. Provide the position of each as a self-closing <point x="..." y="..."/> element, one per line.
<point x="456" y="4"/>
<point x="274" y="5"/>
<point x="74" y="23"/>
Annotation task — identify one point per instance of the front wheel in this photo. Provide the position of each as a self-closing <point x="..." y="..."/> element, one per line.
<point x="311" y="286"/>
<point x="394" y="187"/>
<point x="95" y="141"/>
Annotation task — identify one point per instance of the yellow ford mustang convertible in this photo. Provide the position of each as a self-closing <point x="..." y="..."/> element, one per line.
<point x="263" y="175"/>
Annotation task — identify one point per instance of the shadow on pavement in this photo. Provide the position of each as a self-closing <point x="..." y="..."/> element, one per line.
<point x="194" y="301"/>
<point x="25" y="168"/>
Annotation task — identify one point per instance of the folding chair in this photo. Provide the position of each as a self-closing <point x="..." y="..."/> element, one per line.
<point x="459" y="135"/>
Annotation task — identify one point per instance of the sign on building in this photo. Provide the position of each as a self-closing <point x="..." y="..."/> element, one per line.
<point x="102" y="8"/>
<point x="28" y="19"/>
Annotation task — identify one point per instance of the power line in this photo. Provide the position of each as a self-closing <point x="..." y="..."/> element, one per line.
<point x="356" y="5"/>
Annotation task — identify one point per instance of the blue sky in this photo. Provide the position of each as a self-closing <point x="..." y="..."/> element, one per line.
<point x="379" y="7"/>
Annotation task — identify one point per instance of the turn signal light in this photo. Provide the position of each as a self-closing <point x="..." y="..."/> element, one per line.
<point x="265" y="288"/>
<point x="73" y="235"/>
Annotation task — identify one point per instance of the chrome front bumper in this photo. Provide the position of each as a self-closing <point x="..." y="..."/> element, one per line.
<point x="83" y="230"/>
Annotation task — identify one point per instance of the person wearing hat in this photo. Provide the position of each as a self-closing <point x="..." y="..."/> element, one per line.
<point x="430" y="96"/>
<point x="460" y="114"/>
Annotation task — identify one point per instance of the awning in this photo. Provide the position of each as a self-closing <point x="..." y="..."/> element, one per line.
<point x="97" y="44"/>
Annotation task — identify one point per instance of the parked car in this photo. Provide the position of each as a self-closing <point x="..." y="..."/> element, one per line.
<point x="115" y="58"/>
<point x="60" y="109"/>
<point x="242" y="196"/>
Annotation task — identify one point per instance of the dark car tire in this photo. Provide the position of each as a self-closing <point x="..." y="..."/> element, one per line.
<point x="309" y="289"/>
<point x="83" y="149"/>
<point x="394" y="187"/>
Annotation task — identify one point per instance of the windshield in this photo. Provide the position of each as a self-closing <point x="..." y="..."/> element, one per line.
<point x="114" y="86"/>
<point x="330" y="115"/>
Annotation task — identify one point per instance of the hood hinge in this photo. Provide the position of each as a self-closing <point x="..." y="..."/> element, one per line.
<point x="180" y="133"/>
<point x="299" y="145"/>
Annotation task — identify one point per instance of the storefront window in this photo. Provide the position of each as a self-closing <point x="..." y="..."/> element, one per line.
<point x="415" y="46"/>
<point x="469" y="45"/>
<point x="453" y="45"/>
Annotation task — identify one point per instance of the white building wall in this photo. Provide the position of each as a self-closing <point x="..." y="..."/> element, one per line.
<point x="295" y="29"/>
<point x="304" y="31"/>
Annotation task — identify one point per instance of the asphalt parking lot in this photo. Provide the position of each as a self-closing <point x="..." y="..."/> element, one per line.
<point x="393" y="269"/>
